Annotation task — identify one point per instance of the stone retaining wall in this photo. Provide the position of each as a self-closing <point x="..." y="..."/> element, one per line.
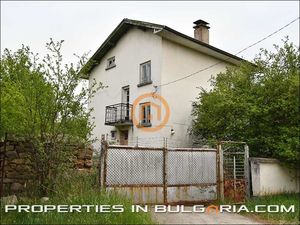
<point x="19" y="169"/>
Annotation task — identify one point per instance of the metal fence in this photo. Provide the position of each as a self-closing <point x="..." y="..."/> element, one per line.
<point x="160" y="174"/>
<point x="155" y="175"/>
<point x="155" y="142"/>
<point x="235" y="170"/>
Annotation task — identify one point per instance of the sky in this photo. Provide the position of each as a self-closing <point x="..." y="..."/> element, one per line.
<point x="85" y="25"/>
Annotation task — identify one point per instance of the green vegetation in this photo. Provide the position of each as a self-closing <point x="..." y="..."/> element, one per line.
<point x="282" y="199"/>
<point x="45" y="101"/>
<point x="80" y="189"/>
<point x="257" y="103"/>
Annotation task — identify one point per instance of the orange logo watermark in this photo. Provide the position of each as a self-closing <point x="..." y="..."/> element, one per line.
<point x="159" y="108"/>
<point x="212" y="207"/>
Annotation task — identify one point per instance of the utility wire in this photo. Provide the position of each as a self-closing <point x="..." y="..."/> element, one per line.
<point x="217" y="63"/>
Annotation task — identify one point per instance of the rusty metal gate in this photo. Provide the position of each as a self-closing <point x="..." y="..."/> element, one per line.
<point x="235" y="174"/>
<point x="160" y="175"/>
<point x="164" y="175"/>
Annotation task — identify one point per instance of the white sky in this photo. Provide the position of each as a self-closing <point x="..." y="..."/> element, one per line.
<point x="85" y="25"/>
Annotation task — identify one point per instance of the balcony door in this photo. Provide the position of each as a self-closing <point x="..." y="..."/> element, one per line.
<point x="125" y="102"/>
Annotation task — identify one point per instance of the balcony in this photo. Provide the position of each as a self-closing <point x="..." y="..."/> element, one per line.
<point x="118" y="114"/>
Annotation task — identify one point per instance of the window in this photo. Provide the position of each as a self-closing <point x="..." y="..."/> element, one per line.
<point x="125" y="102"/>
<point x="145" y="114"/>
<point x="113" y="134"/>
<point x="145" y="73"/>
<point x="125" y="94"/>
<point x="110" y="63"/>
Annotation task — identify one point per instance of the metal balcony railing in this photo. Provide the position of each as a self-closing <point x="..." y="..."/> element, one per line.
<point x="118" y="114"/>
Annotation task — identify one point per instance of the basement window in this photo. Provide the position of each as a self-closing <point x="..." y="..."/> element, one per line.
<point x="111" y="63"/>
<point x="113" y="134"/>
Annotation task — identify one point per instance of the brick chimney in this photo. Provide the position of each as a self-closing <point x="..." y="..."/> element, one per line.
<point x="201" y="31"/>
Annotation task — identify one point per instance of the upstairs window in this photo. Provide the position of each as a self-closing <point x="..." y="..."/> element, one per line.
<point x="110" y="63"/>
<point x="145" y="73"/>
<point x="145" y="114"/>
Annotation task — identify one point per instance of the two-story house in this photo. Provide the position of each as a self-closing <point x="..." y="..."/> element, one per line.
<point x="140" y="58"/>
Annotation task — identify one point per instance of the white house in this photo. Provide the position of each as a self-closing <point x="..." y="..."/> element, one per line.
<point x="140" y="58"/>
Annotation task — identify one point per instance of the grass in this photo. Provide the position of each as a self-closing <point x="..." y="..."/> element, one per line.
<point x="78" y="189"/>
<point x="281" y="199"/>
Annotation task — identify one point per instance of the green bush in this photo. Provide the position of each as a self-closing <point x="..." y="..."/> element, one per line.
<point x="257" y="104"/>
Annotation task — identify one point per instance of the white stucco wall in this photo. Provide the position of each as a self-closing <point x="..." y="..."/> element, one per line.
<point x="271" y="177"/>
<point x="177" y="62"/>
<point x="134" y="48"/>
<point x="169" y="61"/>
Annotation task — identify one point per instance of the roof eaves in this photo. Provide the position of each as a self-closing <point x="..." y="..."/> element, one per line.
<point x="204" y="44"/>
<point x="118" y="30"/>
<point x="114" y="37"/>
<point x="123" y="27"/>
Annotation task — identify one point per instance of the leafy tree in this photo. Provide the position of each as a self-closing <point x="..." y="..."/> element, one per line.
<point x="257" y="103"/>
<point x="46" y="101"/>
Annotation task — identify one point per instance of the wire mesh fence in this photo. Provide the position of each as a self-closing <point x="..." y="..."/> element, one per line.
<point x="151" y="168"/>
<point x="155" y="142"/>
<point x="134" y="167"/>
<point x="161" y="167"/>
<point x="191" y="167"/>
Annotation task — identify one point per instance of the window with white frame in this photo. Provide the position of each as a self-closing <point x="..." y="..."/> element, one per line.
<point x="111" y="63"/>
<point x="145" y="73"/>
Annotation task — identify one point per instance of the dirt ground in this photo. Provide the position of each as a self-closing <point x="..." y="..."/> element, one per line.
<point x="202" y="218"/>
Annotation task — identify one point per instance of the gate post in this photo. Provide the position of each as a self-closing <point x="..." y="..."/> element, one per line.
<point x="247" y="171"/>
<point x="165" y="183"/>
<point x="100" y="167"/>
<point x="220" y="172"/>
<point x="105" y="148"/>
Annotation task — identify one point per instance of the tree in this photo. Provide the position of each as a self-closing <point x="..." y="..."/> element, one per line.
<point x="257" y="103"/>
<point x="46" y="102"/>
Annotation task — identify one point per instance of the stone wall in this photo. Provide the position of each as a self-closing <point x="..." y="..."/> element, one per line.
<point x="84" y="157"/>
<point x="18" y="165"/>
<point x="19" y="170"/>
